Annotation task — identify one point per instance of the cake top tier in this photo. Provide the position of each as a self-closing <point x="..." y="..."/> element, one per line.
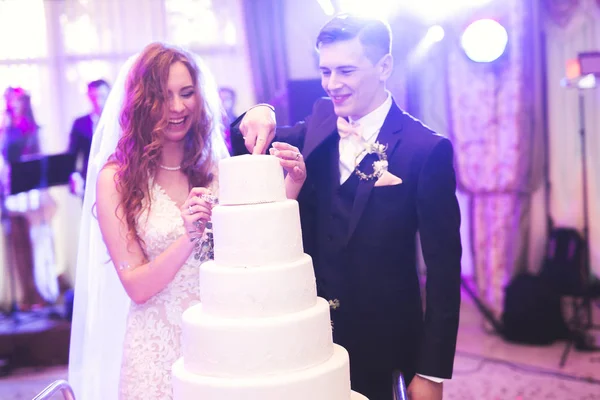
<point x="250" y="179"/>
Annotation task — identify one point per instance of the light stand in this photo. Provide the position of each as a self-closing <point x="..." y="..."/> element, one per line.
<point x="586" y="225"/>
<point x="582" y="84"/>
<point x="483" y="309"/>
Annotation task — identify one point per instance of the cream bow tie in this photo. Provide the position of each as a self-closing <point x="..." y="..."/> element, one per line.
<point x="346" y="129"/>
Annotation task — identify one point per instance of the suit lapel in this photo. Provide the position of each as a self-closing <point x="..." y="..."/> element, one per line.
<point x="388" y="135"/>
<point x="323" y="130"/>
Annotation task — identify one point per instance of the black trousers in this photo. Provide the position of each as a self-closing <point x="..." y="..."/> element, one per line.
<point x="377" y="384"/>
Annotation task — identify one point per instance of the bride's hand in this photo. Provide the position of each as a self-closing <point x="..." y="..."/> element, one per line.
<point x="196" y="212"/>
<point x="291" y="160"/>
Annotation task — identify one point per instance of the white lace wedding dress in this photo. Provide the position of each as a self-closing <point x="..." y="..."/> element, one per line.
<point x="152" y="339"/>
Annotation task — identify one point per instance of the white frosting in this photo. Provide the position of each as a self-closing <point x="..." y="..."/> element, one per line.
<point x="247" y="347"/>
<point x="257" y="292"/>
<point x="250" y="179"/>
<point x="261" y="332"/>
<point x="257" y="235"/>
<point x="327" y="381"/>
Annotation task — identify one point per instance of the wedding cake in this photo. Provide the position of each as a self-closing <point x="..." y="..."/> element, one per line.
<point x="260" y="331"/>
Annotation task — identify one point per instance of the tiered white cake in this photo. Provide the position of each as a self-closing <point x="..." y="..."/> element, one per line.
<point x="261" y="332"/>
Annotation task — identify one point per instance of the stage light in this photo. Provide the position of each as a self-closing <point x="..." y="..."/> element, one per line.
<point x="484" y="40"/>
<point x="436" y="11"/>
<point x="427" y="11"/>
<point x="327" y="7"/>
<point x="435" y="34"/>
<point x="382" y="9"/>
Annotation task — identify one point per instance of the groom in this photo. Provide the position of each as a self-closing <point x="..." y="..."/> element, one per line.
<point x="361" y="229"/>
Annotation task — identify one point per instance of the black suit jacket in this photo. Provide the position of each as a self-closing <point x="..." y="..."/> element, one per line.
<point x="80" y="140"/>
<point x="380" y="319"/>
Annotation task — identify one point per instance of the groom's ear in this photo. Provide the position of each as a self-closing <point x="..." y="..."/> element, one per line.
<point x="385" y="66"/>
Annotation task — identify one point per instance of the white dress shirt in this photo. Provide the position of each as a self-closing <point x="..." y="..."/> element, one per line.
<point x="351" y="147"/>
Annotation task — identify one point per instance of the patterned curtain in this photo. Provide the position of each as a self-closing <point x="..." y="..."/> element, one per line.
<point x="492" y="127"/>
<point x="561" y="11"/>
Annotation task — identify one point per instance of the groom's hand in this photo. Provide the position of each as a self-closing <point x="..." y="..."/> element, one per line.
<point x="424" y="389"/>
<point x="258" y="128"/>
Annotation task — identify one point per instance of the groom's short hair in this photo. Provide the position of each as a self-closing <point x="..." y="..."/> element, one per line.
<point x="374" y="34"/>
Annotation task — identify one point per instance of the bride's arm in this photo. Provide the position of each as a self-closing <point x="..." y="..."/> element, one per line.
<point x="140" y="278"/>
<point x="292" y="161"/>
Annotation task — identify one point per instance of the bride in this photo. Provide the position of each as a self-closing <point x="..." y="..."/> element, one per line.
<point x="153" y="159"/>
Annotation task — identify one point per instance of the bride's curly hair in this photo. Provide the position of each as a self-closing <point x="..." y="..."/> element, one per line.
<point x="144" y="118"/>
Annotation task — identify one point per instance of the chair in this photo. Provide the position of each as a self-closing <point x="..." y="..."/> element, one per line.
<point x="400" y="387"/>
<point x="60" y="385"/>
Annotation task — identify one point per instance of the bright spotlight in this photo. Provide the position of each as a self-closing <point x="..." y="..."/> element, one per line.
<point x="381" y="9"/>
<point x="435" y="11"/>
<point x="435" y="34"/>
<point x="327" y="7"/>
<point x="484" y="40"/>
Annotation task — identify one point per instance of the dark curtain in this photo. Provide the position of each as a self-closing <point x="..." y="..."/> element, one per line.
<point x="265" y="33"/>
<point x="561" y="11"/>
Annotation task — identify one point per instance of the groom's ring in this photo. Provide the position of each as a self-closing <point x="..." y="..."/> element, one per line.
<point x="190" y="210"/>
<point x="298" y="155"/>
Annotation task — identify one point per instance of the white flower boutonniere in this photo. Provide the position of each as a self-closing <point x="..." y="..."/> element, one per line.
<point x="379" y="166"/>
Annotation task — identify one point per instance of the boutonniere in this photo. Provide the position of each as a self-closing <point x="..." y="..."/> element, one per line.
<point x="379" y="167"/>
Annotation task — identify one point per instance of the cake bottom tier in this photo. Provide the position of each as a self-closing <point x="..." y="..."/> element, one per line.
<point x="327" y="381"/>
<point x="357" y="396"/>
